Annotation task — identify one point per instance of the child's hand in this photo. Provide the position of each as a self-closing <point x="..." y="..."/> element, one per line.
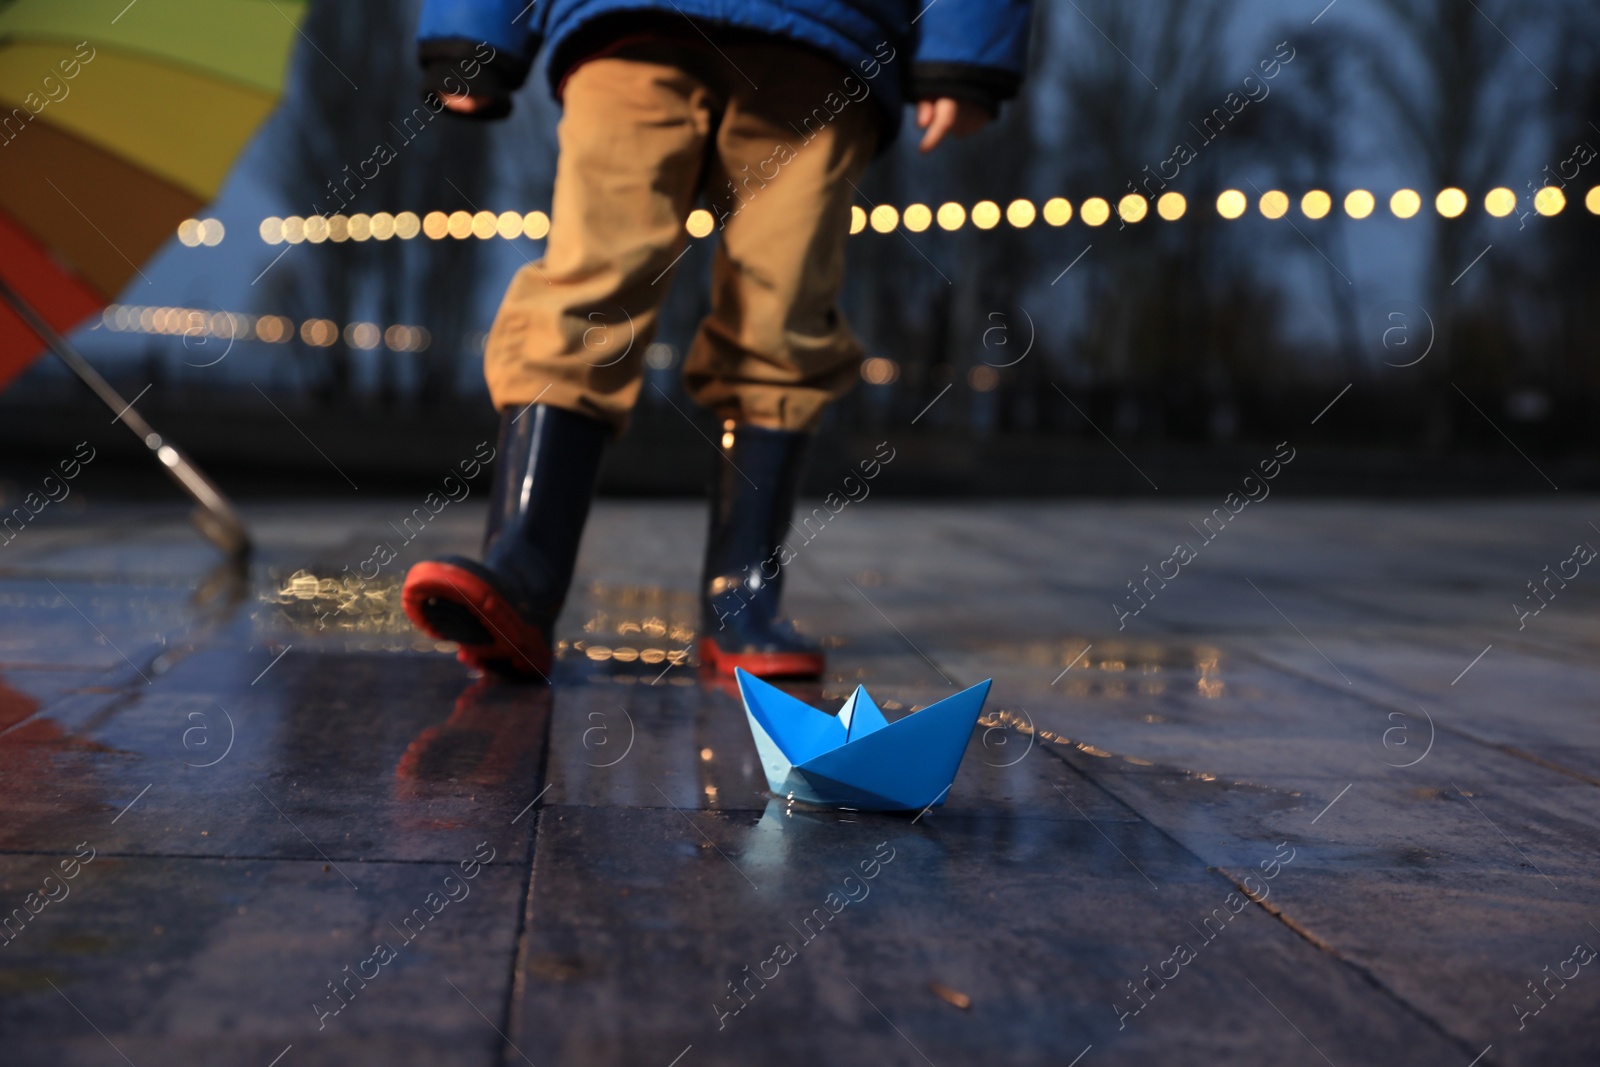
<point x="948" y="115"/>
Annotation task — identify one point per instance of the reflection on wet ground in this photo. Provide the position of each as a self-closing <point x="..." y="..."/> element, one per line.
<point x="255" y="818"/>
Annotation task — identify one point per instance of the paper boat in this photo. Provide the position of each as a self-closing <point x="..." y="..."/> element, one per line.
<point x="858" y="759"/>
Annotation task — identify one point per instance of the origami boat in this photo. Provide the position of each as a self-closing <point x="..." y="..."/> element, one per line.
<point x="859" y="759"/>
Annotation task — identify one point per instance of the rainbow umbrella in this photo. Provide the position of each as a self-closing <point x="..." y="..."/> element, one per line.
<point x="118" y="120"/>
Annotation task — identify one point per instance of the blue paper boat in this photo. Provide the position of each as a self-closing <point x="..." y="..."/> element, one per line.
<point x="859" y="759"/>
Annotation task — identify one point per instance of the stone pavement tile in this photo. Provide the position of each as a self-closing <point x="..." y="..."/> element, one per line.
<point x="1440" y="896"/>
<point x="1508" y="697"/>
<point x="88" y="626"/>
<point x="1462" y="942"/>
<point x="227" y="961"/>
<point x="690" y="748"/>
<point x="359" y="756"/>
<point x="641" y="927"/>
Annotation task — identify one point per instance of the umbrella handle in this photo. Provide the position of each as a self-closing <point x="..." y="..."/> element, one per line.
<point x="215" y="517"/>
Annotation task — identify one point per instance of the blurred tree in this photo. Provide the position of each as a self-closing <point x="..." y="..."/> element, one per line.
<point x="362" y="140"/>
<point x="1566" y="278"/>
<point x="1456" y="93"/>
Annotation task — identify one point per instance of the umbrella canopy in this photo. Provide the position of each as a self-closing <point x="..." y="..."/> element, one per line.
<point x="117" y="121"/>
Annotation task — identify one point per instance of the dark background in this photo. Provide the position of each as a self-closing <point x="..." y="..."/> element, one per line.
<point x="1171" y="354"/>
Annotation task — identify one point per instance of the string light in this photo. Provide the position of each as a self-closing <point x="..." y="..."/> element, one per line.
<point x="1058" y="211"/>
<point x="1274" y="203"/>
<point x="1359" y="203"/>
<point x="1450" y="203"/>
<point x="1405" y="203"/>
<point x="193" y="233"/>
<point x="269" y="329"/>
<point x="1020" y="213"/>
<point x="1549" y="201"/>
<point x="1316" y="204"/>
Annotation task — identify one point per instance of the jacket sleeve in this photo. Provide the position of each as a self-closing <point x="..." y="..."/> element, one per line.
<point x="971" y="50"/>
<point x="482" y="47"/>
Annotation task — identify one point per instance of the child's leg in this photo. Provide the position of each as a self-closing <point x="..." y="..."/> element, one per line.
<point x="563" y="360"/>
<point x="775" y="348"/>
<point x="573" y="327"/>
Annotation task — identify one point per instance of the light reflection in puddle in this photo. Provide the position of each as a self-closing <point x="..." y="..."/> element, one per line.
<point x="629" y="626"/>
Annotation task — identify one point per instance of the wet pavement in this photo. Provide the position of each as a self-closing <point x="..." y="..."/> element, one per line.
<point x="1326" y="797"/>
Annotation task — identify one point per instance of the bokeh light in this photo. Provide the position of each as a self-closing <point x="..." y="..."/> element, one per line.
<point x="1132" y="208"/>
<point x="884" y="219"/>
<point x="986" y="214"/>
<point x="364" y="335"/>
<point x="879" y="371"/>
<point x="951" y="216"/>
<point x="1021" y="213"/>
<point x="1405" y="203"/>
<point x="535" y="224"/>
<point x="1231" y="203"/>
<point x="1094" y="211"/>
<point x="1500" y="202"/>
<point x="700" y="223"/>
<point x="1450" y="202"/>
<point x="1171" y="206"/>
<point x="917" y="217"/>
<point x="1274" y="203"/>
<point x="1549" y="201"/>
<point x="1358" y="203"/>
<point x="858" y="219"/>
<point x="319" y="333"/>
<point x="1058" y="211"/>
<point x="1316" y="204"/>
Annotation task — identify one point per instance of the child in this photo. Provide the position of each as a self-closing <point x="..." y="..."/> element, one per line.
<point x="772" y="110"/>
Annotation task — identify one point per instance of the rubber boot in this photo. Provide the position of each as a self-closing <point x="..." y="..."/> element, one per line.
<point x="502" y="612"/>
<point x="753" y="490"/>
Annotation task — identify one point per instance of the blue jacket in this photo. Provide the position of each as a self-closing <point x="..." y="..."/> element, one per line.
<point x="968" y="49"/>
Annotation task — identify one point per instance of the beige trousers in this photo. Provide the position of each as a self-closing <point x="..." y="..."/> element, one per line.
<point x="646" y="129"/>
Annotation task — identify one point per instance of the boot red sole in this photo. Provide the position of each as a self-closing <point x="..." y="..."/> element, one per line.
<point x="514" y="646"/>
<point x="761" y="664"/>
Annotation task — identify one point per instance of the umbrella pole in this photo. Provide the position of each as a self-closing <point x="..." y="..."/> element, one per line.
<point x="215" y="517"/>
